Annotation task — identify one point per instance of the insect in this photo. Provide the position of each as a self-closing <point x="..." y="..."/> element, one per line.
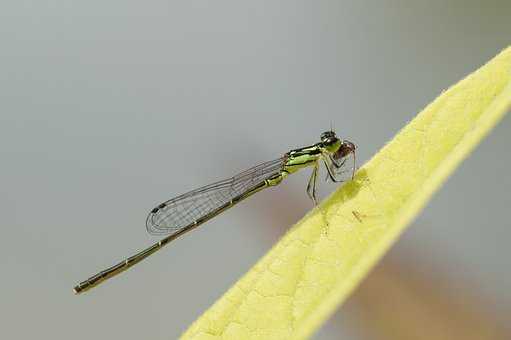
<point x="183" y="213"/>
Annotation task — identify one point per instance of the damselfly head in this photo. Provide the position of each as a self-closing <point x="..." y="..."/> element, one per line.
<point x="328" y="135"/>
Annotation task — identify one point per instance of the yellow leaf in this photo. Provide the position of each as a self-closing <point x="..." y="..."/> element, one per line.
<point x="294" y="288"/>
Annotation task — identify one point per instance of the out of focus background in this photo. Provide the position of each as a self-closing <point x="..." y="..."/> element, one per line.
<point x="108" y="108"/>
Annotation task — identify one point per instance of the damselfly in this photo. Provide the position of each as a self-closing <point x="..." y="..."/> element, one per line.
<point x="186" y="212"/>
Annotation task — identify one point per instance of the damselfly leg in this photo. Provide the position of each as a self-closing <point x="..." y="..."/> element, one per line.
<point x="311" y="186"/>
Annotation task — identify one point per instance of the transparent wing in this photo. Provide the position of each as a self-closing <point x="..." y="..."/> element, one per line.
<point x="177" y="213"/>
<point x="343" y="168"/>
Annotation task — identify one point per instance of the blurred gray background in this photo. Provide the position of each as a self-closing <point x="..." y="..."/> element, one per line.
<point x="110" y="107"/>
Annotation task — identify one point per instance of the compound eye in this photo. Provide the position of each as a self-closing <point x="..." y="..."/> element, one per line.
<point x="330" y="140"/>
<point x="328" y="136"/>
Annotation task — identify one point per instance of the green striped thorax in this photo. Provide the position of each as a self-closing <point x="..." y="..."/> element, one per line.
<point x="330" y="144"/>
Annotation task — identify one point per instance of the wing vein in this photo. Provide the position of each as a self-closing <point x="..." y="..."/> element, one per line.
<point x="177" y="213"/>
